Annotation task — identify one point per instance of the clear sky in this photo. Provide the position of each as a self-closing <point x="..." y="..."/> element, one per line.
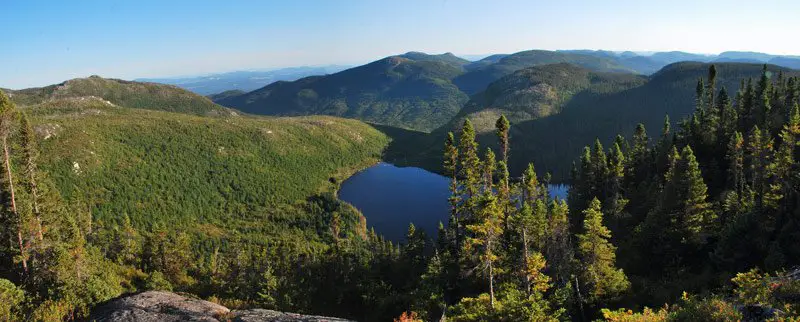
<point x="46" y="42"/>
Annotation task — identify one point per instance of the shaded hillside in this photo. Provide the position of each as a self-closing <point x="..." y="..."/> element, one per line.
<point x="552" y="142"/>
<point x="411" y="91"/>
<point x="149" y="96"/>
<point x="538" y="92"/>
<point x="477" y="79"/>
<point x="225" y="95"/>
<point x="486" y="61"/>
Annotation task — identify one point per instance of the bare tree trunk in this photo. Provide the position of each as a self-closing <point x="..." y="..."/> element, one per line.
<point x="491" y="278"/>
<point x="580" y="299"/>
<point x="525" y="261"/>
<point x="35" y="195"/>
<point x="6" y="159"/>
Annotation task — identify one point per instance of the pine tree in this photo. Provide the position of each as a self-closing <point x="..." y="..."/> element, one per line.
<point x="792" y="92"/>
<point x="712" y="87"/>
<point x="530" y="185"/>
<point x="470" y="168"/>
<point x="489" y="166"/>
<point x="483" y="237"/>
<point x="7" y="113"/>
<point x="728" y="116"/>
<point x="685" y="200"/>
<point x="763" y="93"/>
<point x="699" y="216"/>
<point x="599" y="170"/>
<point x="759" y="150"/>
<point x="599" y="276"/>
<point x="559" y="249"/>
<point x="735" y="158"/>
<point x="502" y="126"/>
<point x="29" y="151"/>
<point x="748" y="112"/>
<point x="700" y="96"/>
<point x="616" y="201"/>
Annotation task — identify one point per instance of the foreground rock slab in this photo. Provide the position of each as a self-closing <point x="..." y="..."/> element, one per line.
<point x="165" y="306"/>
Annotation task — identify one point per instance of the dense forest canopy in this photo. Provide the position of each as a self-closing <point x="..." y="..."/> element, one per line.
<point x="99" y="200"/>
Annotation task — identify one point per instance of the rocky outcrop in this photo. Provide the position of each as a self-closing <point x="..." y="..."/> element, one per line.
<point x="165" y="306"/>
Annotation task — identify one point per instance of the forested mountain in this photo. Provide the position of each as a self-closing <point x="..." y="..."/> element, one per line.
<point x="539" y="92"/>
<point x="478" y="78"/>
<point x="652" y="62"/>
<point x="409" y="91"/>
<point x="121" y="93"/>
<point x="612" y="104"/>
<point x="552" y="141"/>
<point x="708" y="208"/>
<point x="139" y="199"/>
<point x="242" y="80"/>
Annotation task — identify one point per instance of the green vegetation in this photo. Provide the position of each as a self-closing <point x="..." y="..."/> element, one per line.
<point x="225" y="95"/>
<point x="539" y="92"/>
<point x="612" y="106"/>
<point x="409" y="91"/>
<point x="99" y="200"/>
<point x="479" y="78"/>
<point x="150" y="96"/>
<point x="211" y="170"/>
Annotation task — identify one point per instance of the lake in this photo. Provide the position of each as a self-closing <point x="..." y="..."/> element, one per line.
<point x="391" y="197"/>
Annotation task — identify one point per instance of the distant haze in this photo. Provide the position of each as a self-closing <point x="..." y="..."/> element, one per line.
<point x="47" y="42"/>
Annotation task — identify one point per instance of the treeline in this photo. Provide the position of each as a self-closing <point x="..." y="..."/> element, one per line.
<point x="688" y="210"/>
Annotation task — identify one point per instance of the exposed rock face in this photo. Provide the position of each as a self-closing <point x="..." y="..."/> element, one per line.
<point x="165" y="306"/>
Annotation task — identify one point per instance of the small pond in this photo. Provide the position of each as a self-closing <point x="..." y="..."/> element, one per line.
<point x="391" y="197"/>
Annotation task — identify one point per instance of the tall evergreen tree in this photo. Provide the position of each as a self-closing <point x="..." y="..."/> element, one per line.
<point x="599" y="276"/>
<point x="29" y="151"/>
<point x="470" y="168"/>
<point x="735" y="158"/>
<point x="489" y="167"/>
<point x="483" y="237"/>
<point x="502" y="126"/>
<point x="7" y="115"/>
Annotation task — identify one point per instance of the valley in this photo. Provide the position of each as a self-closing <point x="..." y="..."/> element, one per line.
<point x="549" y="185"/>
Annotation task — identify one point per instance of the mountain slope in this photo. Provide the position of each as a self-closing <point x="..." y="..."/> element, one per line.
<point x="150" y="96"/>
<point x="412" y="91"/>
<point x="538" y="92"/>
<point x="477" y="79"/>
<point x="553" y="141"/>
<point x="190" y="171"/>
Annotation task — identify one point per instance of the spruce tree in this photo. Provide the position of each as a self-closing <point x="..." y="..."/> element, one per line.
<point x="735" y="158"/>
<point x="7" y="115"/>
<point x="698" y="217"/>
<point x="470" y="168"/>
<point x="699" y="95"/>
<point x="599" y="171"/>
<point x="599" y="277"/>
<point x="483" y="237"/>
<point x="559" y="250"/>
<point x="489" y="166"/>
<point x="616" y="201"/>
<point x="712" y="87"/>
<point x="29" y="151"/>
<point x="502" y="126"/>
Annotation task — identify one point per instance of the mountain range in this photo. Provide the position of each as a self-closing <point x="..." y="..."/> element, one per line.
<point x="242" y="80"/>
<point x="423" y="92"/>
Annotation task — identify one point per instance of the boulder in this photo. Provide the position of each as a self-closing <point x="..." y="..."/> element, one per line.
<point x="165" y="306"/>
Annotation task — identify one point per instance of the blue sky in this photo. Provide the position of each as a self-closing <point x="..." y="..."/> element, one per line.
<point x="46" y="42"/>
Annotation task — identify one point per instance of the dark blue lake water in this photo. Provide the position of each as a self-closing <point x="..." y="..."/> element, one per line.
<point x="391" y="197"/>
